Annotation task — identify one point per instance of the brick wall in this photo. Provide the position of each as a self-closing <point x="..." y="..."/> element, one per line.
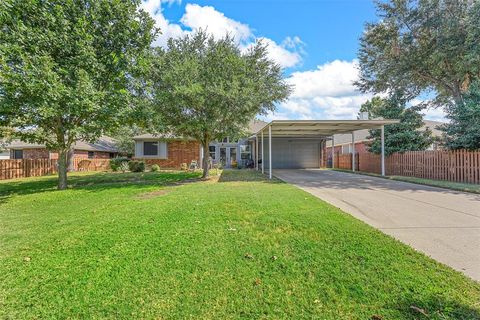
<point x="178" y="152"/>
<point x="35" y="153"/>
<point x="82" y="154"/>
<point x="360" y="147"/>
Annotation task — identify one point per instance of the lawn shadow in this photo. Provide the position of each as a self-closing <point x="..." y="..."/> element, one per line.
<point x="435" y="308"/>
<point x="246" y="175"/>
<point x="95" y="182"/>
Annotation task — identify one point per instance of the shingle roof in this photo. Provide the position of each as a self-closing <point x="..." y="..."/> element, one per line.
<point x="104" y="143"/>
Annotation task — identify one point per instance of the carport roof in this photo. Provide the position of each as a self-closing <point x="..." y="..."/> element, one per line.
<point x="320" y="128"/>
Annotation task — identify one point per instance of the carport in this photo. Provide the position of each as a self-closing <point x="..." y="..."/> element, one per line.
<point x="301" y="144"/>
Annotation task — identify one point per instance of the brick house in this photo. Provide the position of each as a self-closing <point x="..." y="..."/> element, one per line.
<point x="104" y="148"/>
<point x="171" y="152"/>
<point x="343" y="142"/>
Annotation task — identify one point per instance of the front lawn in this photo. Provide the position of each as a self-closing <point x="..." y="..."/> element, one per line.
<point x="123" y="246"/>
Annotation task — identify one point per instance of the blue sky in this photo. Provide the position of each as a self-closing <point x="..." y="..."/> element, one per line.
<point x="316" y="41"/>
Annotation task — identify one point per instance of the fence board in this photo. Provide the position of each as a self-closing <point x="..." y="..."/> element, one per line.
<point x="12" y="169"/>
<point x="456" y="166"/>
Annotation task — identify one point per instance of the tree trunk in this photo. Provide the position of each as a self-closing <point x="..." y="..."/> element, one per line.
<point x="62" y="169"/>
<point x="205" y="159"/>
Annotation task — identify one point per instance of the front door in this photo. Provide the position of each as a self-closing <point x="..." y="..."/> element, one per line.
<point x="228" y="156"/>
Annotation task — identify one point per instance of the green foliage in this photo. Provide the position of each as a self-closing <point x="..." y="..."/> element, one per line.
<point x="69" y="70"/>
<point x="116" y="163"/>
<point x="124" y="138"/>
<point x="136" y="166"/>
<point x="124" y="167"/>
<point x="463" y="130"/>
<point x="155" y="168"/>
<point x="401" y="137"/>
<point x="208" y="89"/>
<point x="419" y="46"/>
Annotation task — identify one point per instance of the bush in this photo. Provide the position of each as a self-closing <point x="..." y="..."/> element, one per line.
<point x="124" y="167"/>
<point x="155" y="167"/>
<point x="136" y="166"/>
<point x="117" y="162"/>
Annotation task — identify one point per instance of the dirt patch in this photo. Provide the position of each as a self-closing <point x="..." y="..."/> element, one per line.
<point x="152" y="194"/>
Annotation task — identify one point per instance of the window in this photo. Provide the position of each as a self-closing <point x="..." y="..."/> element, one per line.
<point x="150" y="148"/>
<point x="245" y="152"/>
<point x="91" y="154"/>
<point x="17" y="154"/>
<point x="211" y="151"/>
<point x="111" y="155"/>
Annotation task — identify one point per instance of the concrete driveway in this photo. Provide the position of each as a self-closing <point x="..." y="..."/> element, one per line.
<point x="443" y="224"/>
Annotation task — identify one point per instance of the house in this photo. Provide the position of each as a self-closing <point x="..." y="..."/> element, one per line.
<point x="104" y="148"/>
<point x="170" y="152"/>
<point x="343" y="142"/>
<point x="280" y="144"/>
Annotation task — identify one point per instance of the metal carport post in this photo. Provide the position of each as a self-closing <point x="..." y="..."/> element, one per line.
<point x="383" y="149"/>
<point x="270" y="151"/>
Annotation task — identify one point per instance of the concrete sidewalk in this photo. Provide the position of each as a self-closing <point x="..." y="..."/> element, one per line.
<point x="441" y="223"/>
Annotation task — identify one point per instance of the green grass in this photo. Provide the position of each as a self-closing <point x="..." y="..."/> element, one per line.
<point x="124" y="246"/>
<point x="466" y="187"/>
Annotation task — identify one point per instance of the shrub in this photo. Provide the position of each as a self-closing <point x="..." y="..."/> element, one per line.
<point x="136" y="166"/>
<point x="124" y="167"/>
<point x="115" y="163"/>
<point x="155" y="167"/>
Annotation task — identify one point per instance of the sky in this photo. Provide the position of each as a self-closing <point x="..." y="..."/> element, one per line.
<point x="315" y="41"/>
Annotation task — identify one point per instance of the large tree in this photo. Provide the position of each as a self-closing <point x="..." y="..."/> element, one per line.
<point x="68" y="69"/>
<point x="208" y="89"/>
<point x="463" y="130"/>
<point x="422" y="46"/>
<point x="407" y="135"/>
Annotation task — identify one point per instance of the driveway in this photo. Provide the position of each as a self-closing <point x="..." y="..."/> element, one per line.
<point x="441" y="223"/>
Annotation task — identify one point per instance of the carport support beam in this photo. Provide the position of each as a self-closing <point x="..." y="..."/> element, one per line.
<point x="383" y="149"/>
<point x="270" y="151"/>
<point x="353" y="151"/>
<point x="256" y="152"/>
<point x="263" y="158"/>
<point x="333" y="152"/>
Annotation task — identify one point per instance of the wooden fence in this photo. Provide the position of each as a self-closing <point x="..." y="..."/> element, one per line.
<point x="456" y="166"/>
<point x="11" y="169"/>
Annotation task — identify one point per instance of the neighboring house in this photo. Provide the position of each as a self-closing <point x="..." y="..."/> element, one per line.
<point x="104" y="148"/>
<point x="170" y="152"/>
<point x="343" y="142"/>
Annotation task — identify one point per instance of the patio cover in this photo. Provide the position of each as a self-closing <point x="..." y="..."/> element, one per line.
<point x="322" y="129"/>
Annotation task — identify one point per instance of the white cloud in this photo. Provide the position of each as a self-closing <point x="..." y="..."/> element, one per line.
<point x="331" y="79"/>
<point x="324" y="93"/>
<point x="215" y="22"/>
<point x="167" y="29"/>
<point x="287" y="54"/>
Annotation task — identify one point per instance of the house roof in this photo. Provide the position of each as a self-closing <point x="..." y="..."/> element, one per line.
<point x="361" y="135"/>
<point x="320" y="128"/>
<point x="104" y="143"/>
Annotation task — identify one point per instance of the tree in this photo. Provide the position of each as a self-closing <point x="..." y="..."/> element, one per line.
<point x="422" y="46"/>
<point x="124" y="138"/>
<point x="207" y="89"/>
<point x="463" y="130"/>
<point x="69" y="69"/>
<point x="400" y="137"/>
